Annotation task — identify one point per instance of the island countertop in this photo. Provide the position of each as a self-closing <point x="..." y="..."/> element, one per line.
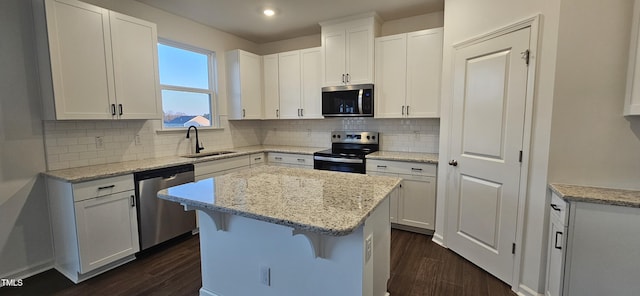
<point x="324" y="202"/>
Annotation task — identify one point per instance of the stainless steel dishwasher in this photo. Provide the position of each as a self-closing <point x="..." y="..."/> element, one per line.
<point x="160" y="220"/>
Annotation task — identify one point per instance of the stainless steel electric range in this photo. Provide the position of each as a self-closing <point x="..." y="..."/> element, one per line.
<point x="347" y="153"/>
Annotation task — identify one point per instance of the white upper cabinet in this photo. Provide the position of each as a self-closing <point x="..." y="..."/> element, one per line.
<point x="270" y="86"/>
<point x="408" y="73"/>
<point x="348" y="50"/>
<point x="96" y="63"/>
<point x="632" y="99"/>
<point x="299" y="85"/>
<point x="290" y="84"/>
<point x="311" y="72"/>
<point x="244" y="85"/>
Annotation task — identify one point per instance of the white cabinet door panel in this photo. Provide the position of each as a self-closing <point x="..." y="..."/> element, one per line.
<point x="271" y="84"/>
<point x="391" y="76"/>
<point x="424" y="69"/>
<point x="135" y="60"/>
<point x="107" y="229"/>
<point x="311" y="71"/>
<point x="290" y="84"/>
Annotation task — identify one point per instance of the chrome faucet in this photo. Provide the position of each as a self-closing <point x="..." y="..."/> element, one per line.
<point x="198" y="147"/>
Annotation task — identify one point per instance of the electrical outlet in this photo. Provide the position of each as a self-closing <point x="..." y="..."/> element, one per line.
<point x="99" y="142"/>
<point x="265" y="276"/>
<point x="138" y="140"/>
<point x="368" y="248"/>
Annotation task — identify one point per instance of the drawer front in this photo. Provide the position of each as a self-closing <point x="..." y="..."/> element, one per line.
<point x="402" y="167"/>
<point x="215" y="166"/>
<point x="101" y="187"/>
<point x="287" y="158"/>
<point x="559" y="209"/>
<point x="257" y="159"/>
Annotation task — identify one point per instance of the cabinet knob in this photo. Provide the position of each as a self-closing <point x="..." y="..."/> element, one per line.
<point x="555" y="207"/>
<point x="453" y="162"/>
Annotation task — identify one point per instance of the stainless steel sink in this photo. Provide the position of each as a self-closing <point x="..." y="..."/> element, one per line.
<point x="213" y="153"/>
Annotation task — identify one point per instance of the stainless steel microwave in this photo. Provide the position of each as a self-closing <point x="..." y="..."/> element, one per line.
<point x="348" y="100"/>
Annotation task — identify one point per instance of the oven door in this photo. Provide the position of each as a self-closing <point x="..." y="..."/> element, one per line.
<point x="339" y="164"/>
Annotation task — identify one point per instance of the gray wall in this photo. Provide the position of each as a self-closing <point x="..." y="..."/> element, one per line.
<point x="25" y="236"/>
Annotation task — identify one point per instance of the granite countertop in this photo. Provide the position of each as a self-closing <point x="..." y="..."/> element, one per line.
<point x="324" y="202"/>
<point x="608" y="196"/>
<point x="405" y="156"/>
<point x="93" y="172"/>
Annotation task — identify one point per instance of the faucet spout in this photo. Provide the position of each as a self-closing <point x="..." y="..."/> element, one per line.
<point x="198" y="147"/>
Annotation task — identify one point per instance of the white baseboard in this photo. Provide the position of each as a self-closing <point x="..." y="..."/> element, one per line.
<point x="205" y="292"/>
<point x="526" y="291"/>
<point x="29" y="270"/>
<point x="438" y="239"/>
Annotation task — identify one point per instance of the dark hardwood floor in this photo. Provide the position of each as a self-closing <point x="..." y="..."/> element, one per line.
<point x="419" y="267"/>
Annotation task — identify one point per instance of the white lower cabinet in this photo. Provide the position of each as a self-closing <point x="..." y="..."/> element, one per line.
<point x="94" y="223"/>
<point x="257" y="159"/>
<point x="290" y="160"/>
<point x="416" y="202"/>
<point x="596" y="251"/>
<point x="213" y="168"/>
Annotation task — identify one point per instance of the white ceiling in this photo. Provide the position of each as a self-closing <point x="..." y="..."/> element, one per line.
<point x="294" y="18"/>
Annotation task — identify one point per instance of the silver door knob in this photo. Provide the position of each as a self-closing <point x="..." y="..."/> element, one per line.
<point x="453" y="163"/>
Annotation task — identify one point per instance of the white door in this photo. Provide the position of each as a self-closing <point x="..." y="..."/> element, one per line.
<point x="359" y="51"/>
<point x="391" y="76"/>
<point x="490" y="82"/>
<point x="424" y="68"/>
<point x="251" y="85"/>
<point x="107" y="229"/>
<point x="311" y="72"/>
<point x="270" y="85"/>
<point x="135" y="67"/>
<point x="334" y="58"/>
<point x="290" y="84"/>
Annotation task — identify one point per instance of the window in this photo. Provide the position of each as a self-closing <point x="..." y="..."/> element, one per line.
<point x="187" y="86"/>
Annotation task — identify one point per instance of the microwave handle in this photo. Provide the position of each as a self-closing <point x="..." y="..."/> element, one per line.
<point x="360" y="101"/>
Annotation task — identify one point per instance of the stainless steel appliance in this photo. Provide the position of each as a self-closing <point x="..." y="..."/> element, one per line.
<point x="348" y="100"/>
<point x="160" y="220"/>
<point x="347" y="153"/>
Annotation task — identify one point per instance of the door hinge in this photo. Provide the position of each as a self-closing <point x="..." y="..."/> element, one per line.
<point x="520" y="157"/>
<point x="525" y="56"/>
<point x="513" y="248"/>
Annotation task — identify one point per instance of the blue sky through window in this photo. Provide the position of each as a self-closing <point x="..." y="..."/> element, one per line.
<point x="184" y="76"/>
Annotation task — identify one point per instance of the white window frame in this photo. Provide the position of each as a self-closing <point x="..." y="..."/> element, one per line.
<point x="213" y="83"/>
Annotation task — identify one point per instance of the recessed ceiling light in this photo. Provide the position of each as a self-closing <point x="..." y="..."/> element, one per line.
<point x="269" y="12"/>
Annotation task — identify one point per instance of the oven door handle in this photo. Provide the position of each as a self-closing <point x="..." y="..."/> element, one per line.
<point x="360" y="101"/>
<point x="338" y="159"/>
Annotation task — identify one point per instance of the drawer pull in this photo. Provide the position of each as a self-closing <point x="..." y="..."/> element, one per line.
<point x="133" y="201"/>
<point x="257" y="158"/>
<point x="556" y="208"/>
<point x="556" y="242"/>
<point x="416" y="169"/>
<point x="382" y="166"/>
<point x="278" y="158"/>
<point x="106" y="187"/>
<point x="301" y="159"/>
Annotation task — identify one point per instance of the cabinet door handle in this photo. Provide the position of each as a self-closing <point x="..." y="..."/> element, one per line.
<point x="343" y="80"/>
<point x="556" y="242"/>
<point x="278" y="158"/>
<point x="348" y="77"/>
<point x="382" y="166"/>
<point x="301" y="112"/>
<point x="120" y="107"/>
<point x="257" y="158"/>
<point x="555" y="207"/>
<point x="301" y="160"/>
<point x="402" y="110"/>
<point x="407" y="110"/>
<point x="113" y="109"/>
<point x="244" y="113"/>
<point x="133" y="201"/>
<point x="107" y="187"/>
<point x="277" y="113"/>
<point x="416" y="169"/>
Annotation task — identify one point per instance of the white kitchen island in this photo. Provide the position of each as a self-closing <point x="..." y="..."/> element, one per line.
<point x="287" y="231"/>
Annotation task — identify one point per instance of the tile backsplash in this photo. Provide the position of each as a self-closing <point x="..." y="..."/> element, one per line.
<point x="71" y="144"/>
